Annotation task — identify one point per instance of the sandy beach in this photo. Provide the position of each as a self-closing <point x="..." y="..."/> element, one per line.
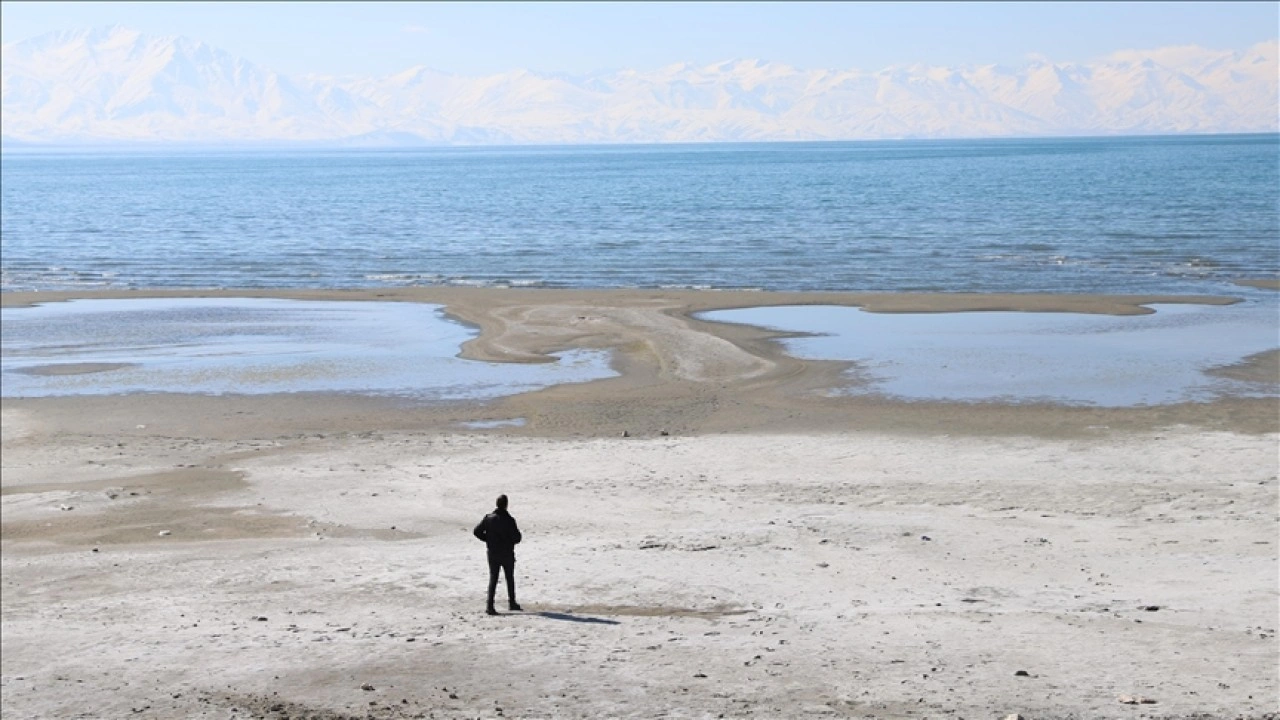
<point x="709" y="534"/>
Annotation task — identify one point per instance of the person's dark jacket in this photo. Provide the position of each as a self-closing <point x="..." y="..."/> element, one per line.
<point x="498" y="530"/>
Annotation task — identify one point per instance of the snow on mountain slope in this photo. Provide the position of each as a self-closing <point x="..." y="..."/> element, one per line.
<point x="116" y="84"/>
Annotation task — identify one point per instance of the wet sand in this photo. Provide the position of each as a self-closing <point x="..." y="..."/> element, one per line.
<point x="750" y="548"/>
<point x="1260" y="283"/>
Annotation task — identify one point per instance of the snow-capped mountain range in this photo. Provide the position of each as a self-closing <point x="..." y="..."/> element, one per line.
<point x="117" y="85"/>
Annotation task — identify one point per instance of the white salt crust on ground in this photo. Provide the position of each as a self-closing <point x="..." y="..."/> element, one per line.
<point x="851" y="574"/>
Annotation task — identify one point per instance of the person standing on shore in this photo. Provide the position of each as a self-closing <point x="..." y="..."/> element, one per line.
<point x="498" y="530"/>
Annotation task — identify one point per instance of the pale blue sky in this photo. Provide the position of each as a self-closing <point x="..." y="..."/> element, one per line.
<point x="478" y="38"/>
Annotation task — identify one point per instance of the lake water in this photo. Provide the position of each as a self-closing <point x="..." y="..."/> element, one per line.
<point x="1073" y="359"/>
<point x="1100" y="215"/>
<point x="254" y="346"/>
<point x="1115" y="215"/>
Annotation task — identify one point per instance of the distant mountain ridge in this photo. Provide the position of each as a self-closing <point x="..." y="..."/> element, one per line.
<point x="116" y="85"/>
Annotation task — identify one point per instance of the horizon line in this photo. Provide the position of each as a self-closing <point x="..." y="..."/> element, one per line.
<point x="9" y="145"/>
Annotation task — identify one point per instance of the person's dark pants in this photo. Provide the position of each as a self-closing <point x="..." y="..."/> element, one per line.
<point x="507" y="563"/>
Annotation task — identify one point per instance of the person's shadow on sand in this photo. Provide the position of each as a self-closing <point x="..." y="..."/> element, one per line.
<point x="574" y="618"/>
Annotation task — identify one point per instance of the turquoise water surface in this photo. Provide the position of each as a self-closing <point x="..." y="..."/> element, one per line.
<point x="1116" y="215"/>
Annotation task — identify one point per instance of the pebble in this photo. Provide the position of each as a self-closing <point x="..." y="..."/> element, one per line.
<point x="366" y="687"/>
<point x="1022" y="673"/>
<point x="163" y="533"/>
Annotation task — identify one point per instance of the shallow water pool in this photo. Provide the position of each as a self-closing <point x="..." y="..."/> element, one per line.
<point x="1077" y="359"/>
<point x="256" y="346"/>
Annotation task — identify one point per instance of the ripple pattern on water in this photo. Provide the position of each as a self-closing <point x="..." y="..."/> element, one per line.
<point x="1148" y="215"/>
